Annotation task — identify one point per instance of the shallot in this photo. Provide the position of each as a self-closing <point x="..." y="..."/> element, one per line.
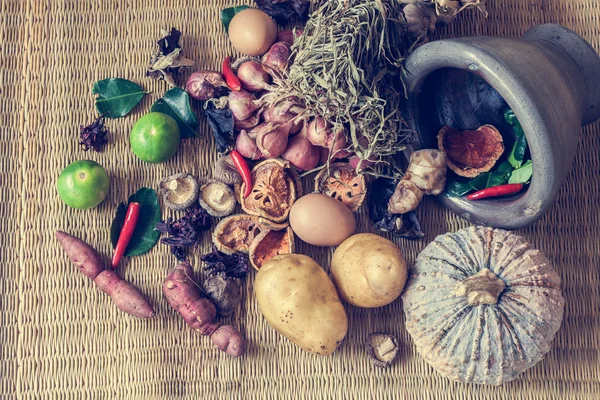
<point x="284" y="113"/>
<point x="289" y="36"/>
<point x="246" y="146"/>
<point x="242" y="104"/>
<point x="253" y="76"/>
<point x="276" y="61"/>
<point x="204" y="85"/>
<point x="318" y="132"/>
<point x="248" y="123"/>
<point x="272" y="139"/>
<point x="301" y="153"/>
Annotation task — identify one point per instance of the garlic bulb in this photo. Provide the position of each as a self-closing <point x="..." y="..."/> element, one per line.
<point x="420" y="21"/>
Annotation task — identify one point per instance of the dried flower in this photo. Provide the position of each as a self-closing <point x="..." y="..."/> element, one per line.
<point x="186" y="231"/>
<point x="168" y="59"/>
<point x="235" y="265"/>
<point x="93" y="136"/>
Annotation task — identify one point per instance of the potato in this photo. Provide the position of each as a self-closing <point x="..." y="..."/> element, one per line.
<point x="368" y="270"/>
<point x="299" y="300"/>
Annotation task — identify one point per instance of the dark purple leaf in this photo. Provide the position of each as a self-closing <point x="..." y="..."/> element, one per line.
<point x="284" y="11"/>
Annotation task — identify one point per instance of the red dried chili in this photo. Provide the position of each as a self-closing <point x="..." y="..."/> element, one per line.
<point x="131" y="219"/>
<point x="496" y="191"/>
<point x="242" y="167"/>
<point x="230" y="77"/>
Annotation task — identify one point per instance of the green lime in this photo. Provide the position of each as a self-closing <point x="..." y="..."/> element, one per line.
<point x="83" y="184"/>
<point x="155" y="137"/>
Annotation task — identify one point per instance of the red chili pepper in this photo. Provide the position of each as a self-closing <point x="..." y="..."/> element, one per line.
<point x="131" y="219"/>
<point x="232" y="80"/>
<point x="243" y="169"/>
<point x="502" y="190"/>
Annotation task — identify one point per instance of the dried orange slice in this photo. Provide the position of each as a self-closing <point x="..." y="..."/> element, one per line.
<point x="343" y="184"/>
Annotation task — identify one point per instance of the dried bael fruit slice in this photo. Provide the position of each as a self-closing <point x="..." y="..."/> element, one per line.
<point x="271" y="243"/>
<point x="343" y="184"/>
<point x="471" y="152"/>
<point x="276" y="188"/>
<point x="179" y="191"/>
<point x="237" y="233"/>
<point x="217" y="199"/>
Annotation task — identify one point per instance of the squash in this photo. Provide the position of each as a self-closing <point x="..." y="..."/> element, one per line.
<point x="482" y="305"/>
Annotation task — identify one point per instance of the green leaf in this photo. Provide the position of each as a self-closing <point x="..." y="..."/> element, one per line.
<point x="458" y="188"/>
<point x="523" y="174"/>
<point x="145" y="236"/>
<point x="227" y="15"/>
<point x="176" y="104"/>
<point x="116" y="96"/>
<point x="517" y="154"/>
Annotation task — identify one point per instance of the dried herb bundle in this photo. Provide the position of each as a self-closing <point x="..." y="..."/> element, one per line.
<point x="347" y="68"/>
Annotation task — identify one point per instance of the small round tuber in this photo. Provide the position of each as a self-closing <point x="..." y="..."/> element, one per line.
<point x="229" y="340"/>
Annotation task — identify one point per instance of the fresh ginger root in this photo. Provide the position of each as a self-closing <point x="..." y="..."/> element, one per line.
<point x="426" y="174"/>
<point x="198" y="312"/>
<point x="126" y="297"/>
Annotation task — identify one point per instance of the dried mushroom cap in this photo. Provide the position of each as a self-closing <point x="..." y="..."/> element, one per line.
<point x="225" y="292"/>
<point x="217" y="199"/>
<point x="382" y="349"/>
<point x="224" y="171"/>
<point x="276" y="188"/>
<point x="180" y="191"/>
<point x="271" y="243"/>
<point x="470" y="153"/>
<point x="342" y="183"/>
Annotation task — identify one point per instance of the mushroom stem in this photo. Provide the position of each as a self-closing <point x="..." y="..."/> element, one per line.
<point x="482" y="288"/>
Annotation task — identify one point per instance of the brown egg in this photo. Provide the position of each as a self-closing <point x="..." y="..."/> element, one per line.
<point x="321" y="220"/>
<point x="252" y="32"/>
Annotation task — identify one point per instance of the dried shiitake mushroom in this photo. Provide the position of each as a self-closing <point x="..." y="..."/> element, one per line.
<point x="471" y="152"/>
<point x="236" y="233"/>
<point x="180" y="191"/>
<point x="217" y="199"/>
<point x="271" y="243"/>
<point x="225" y="292"/>
<point x="382" y="349"/>
<point x="343" y="184"/>
<point x="276" y="188"/>
<point x="225" y="171"/>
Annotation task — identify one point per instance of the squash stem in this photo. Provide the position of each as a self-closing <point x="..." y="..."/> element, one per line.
<point x="482" y="288"/>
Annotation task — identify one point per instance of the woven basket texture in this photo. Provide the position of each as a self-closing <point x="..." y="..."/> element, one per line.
<point x="61" y="338"/>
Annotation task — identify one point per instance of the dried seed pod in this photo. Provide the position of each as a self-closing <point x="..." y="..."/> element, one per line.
<point x="427" y="170"/>
<point x="217" y="198"/>
<point x="179" y="191"/>
<point x="406" y="198"/>
<point x="383" y="349"/>
<point x="470" y="153"/>
<point x="225" y="292"/>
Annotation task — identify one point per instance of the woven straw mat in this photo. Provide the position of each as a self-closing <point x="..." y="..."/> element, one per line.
<point x="61" y="338"/>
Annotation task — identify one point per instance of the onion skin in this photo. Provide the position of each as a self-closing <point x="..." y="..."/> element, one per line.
<point x="242" y="104"/>
<point x="288" y="36"/>
<point x="281" y="113"/>
<point x="318" y="132"/>
<point x="272" y="139"/>
<point x="253" y="77"/>
<point x="246" y="146"/>
<point x="248" y="123"/>
<point x="277" y="59"/>
<point x="301" y="153"/>
<point x="205" y="85"/>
